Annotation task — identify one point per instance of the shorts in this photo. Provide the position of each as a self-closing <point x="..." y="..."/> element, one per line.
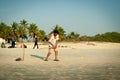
<point x="50" y="47"/>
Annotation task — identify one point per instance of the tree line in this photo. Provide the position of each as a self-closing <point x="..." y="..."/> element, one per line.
<point x="23" y="30"/>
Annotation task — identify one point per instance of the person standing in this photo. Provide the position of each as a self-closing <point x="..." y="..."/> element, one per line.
<point x="36" y="43"/>
<point x="13" y="42"/>
<point x="53" y="45"/>
<point x="3" y="45"/>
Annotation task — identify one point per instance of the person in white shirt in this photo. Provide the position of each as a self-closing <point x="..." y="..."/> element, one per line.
<point x="53" y="44"/>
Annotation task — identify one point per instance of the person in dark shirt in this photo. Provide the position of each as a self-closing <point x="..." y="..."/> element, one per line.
<point x="36" y="43"/>
<point x="13" y="42"/>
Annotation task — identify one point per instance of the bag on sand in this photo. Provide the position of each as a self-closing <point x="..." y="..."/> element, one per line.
<point x="18" y="59"/>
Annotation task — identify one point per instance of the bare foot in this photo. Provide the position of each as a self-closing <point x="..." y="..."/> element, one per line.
<point x="46" y="60"/>
<point x="56" y="60"/>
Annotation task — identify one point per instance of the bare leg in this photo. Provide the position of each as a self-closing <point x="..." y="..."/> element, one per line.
<point x="49" y="53"/>
<point x="37" y="46"/>
<point x="56" y="55"/>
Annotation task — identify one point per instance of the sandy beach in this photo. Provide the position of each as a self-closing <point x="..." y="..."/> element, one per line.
<point x="78" y="61"/>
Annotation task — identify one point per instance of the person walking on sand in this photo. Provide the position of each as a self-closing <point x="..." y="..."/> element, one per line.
<point x="53" y="43"/>
<point x="36" y="43"/>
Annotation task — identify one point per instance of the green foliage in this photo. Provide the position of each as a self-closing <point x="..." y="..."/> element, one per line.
<point x="41" y="35"/>
<point x="23" y="24"/>
<point x="15" y="27"/>
<point x="107" y="37"/>
<point x="33" y="30"/>
<point x="73" y="36"/>
<point x="5" y="31"/>
<point x="23" y="30"/>
<point x="85" y="38"/>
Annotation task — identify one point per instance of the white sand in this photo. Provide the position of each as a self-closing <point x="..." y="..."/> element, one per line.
<point x="78" y="61"/>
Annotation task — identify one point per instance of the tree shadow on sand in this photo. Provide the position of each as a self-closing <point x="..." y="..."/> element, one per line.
<point x="36" y="56"/>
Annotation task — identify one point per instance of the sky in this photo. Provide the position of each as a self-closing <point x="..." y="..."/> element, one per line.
<point x="85" y="17"/>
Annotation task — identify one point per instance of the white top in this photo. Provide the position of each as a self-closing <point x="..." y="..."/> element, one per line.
<point x="53" y="39"/>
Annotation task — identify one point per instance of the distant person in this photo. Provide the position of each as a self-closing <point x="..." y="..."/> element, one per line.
<point x="53" y="45"/>
<point x="3" y="45"/>
<point x="36" y="43"/>
<point x="13" y="43"/>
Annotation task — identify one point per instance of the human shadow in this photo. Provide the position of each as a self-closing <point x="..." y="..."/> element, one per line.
<point x="36" y="56"/>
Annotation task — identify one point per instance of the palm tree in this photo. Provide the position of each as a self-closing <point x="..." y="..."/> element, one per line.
<point x="15" y="27"/>
<point x="23" y="29"/>
<point x="41" y="34"/>
<point x="22" y="32"/>
<point x="33" y="29"/>
<point x="2" y="26"/>
<point x="23" y="23"/>
<point x="5" y="31"/>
